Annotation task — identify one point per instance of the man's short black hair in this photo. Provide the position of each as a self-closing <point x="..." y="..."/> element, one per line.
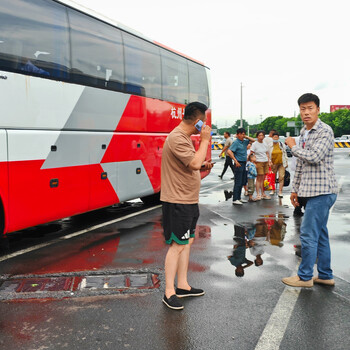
<point x="193" y="110"/>
<point x="240" y="131"/>
<point x="259" y="132"/>
<point x="227" y="132"/>
<point x="276" y="133"/>
<point x="309" y="97"/>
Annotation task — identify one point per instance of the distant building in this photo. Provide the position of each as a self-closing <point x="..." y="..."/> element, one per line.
<point x="336" y="107"/>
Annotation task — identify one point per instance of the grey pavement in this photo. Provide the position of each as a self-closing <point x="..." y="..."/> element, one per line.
<point x="256" y="311"/>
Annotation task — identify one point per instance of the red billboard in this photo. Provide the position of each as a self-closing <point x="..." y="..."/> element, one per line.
<point x="336" y="107"/>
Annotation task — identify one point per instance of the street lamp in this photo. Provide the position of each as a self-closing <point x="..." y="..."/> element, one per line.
<point x="241" y="125"/>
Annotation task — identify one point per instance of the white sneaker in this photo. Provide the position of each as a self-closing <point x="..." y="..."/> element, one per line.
<point x="237" y="202"/>
<point x="243" y="201"/>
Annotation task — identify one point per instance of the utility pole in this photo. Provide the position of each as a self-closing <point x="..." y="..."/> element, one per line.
<point x="241" y="125"/>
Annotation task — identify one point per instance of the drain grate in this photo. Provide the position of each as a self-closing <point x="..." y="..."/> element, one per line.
<point x="35" y="285"/>
<point x="125" y="281"/>
<point x="77" y="285"/>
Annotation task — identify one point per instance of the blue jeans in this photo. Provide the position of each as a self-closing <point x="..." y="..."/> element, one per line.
<point x="240" y="181"/>
<point x="314" y="238"/>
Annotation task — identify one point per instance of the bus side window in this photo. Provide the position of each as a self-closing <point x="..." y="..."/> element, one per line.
<point x="34" y="38"/>
<point x="97" y="52"/>
<point x="142" y="67"/>
<point x="198" y="83"/>
<point x="174" y="77"/>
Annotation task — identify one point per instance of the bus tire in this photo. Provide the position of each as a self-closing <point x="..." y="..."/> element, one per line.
<point x="152" y="199"/>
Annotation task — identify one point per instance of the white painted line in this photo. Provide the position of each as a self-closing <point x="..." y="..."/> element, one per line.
<point x="211" y="188"/>
<point x="75" y="234"/>
<point x="277" y="324"/>
<point x="39" y="246"/>
<point x="108" y="223"/>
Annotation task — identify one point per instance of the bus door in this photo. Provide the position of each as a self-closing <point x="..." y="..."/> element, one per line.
<point x="3" y="180"/>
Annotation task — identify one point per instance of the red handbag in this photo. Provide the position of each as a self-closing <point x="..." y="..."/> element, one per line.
<point x="270" y="180"/>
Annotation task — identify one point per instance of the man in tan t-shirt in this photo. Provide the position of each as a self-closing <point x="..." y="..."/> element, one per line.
<point x="180" y="184"/>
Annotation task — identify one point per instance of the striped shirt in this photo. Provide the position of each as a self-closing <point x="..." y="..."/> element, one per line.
<point x="314" y="173"/>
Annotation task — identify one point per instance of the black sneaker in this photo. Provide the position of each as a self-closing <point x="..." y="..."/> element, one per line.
<point x="220" y="176"/>
<point x="194" y="292"/>
<point x="173" y="302"/>
<point x="227" y="194"/>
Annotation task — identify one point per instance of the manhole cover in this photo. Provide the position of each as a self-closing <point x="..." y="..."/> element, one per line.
<point x="77" y="285"/>
<point x="125" y="281"/>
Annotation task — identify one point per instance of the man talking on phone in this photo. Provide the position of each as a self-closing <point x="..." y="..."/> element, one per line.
<point x="180" y="185"/>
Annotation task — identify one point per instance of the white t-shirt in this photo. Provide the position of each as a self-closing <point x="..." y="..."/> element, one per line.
<point x="260" y="150"/>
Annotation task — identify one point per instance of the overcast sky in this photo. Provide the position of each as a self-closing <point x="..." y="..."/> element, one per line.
<point x="278" y="49"/>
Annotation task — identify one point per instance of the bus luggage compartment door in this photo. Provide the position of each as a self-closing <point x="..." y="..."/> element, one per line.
<point x="48" y="176"/>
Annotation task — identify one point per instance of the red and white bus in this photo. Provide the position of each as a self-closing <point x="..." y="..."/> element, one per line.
<point x="86" y="105"/>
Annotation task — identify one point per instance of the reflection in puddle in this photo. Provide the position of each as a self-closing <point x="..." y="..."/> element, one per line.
<point x="268" y="230"/>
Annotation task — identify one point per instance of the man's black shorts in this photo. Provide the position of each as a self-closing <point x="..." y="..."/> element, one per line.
<point x="179" y="222"/>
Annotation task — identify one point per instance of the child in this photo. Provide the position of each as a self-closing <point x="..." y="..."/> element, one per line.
<point x="246" y="182"/>
<point x="252" y="174"/>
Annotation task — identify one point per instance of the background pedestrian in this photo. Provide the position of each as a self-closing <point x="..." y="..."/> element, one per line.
<point x="279" y="161"/>
<point x="238" y="152"/>
<point x="228" y="160"/>
<point x="251" y="174"/>
<point x="263" y="162"/>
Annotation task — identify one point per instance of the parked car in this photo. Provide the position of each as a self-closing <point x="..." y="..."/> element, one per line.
<point x="345" y="138"/>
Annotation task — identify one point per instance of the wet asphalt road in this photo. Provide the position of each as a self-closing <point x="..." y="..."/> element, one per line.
<point x="255" y="311"/>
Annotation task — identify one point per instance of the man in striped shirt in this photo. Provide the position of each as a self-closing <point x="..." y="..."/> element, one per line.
<point x="315" y="180"/>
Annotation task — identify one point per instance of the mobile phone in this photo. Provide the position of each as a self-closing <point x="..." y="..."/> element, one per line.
<point x="199" y="125"/>
<point x="203" y="165"/>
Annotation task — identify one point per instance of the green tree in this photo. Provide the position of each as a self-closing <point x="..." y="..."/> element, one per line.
<point x="339" y="121"/>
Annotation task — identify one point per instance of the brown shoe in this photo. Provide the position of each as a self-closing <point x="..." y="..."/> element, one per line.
<point x="295" y="281"/>
<point x="325" y="282"/>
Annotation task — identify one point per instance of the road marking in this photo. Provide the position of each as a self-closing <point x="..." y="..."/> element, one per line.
<point x="211" y="188"/>
<point x="277" y="324"/>
<point x="75" y="234"/>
